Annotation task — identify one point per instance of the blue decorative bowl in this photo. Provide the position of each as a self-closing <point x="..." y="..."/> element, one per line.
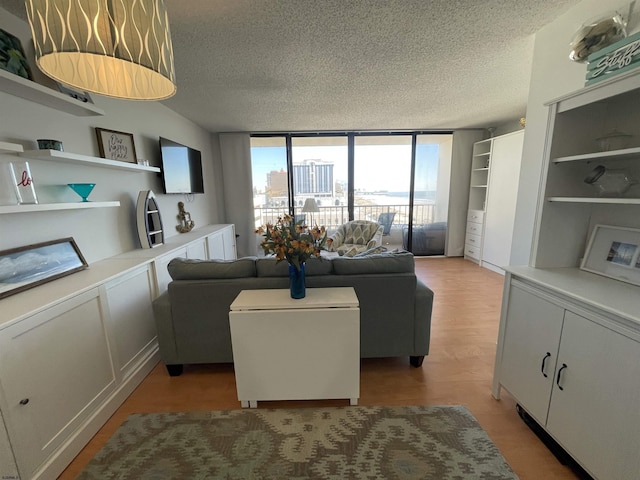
<point x="82" y="189"/>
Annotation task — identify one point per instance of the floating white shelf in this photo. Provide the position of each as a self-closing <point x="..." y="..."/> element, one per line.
<point x="486" y="169"/>
<point x="613" y="155"/>
<point x="34" y="92"/>
<point x="6" y="147"/>
<point x="484" y="154"/>
<point x="44" y="207"/>
<point x="619" y="201"/>
<point x="67" y="157"/>
<point x="478" y="186"/>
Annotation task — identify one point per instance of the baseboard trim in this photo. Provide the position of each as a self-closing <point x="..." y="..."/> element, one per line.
<point x="64" y="455"/>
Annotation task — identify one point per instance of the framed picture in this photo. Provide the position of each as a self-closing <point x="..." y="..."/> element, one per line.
<point x="12" y="57"/>
<point x="26" y="267"/>
<point x="73" y="93"/>
<point x="614" y="252"/>
<point x="116" y="145"/>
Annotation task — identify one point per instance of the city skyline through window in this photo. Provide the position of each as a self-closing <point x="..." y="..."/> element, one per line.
<point x="382" y="180"/>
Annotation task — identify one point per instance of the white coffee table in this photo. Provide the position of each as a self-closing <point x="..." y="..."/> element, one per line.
<point x="286" y="349"/>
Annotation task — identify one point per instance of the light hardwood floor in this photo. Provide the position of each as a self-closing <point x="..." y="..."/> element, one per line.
<point x="458" y="371"/>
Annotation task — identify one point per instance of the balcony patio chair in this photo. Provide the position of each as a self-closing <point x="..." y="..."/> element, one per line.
<point x="386" y="220"/>
<point x="356" y="237"/>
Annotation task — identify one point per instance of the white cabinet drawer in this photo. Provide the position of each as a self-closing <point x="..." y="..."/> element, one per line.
<point x="472" y="251"/>
<point x="474" y="228"/>
<point x="475" y="216"/>
<point x="473" y="240"/>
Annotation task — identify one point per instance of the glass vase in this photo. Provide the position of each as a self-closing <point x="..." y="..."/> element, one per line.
<point x="296" y="281"/>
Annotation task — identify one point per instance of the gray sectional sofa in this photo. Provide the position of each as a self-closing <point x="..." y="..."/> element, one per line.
<point x="192" y="316"/>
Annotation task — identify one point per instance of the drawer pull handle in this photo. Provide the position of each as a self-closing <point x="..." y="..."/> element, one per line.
<point x="544" y="360"/>
<point x="24" y="401"/>
<point x="564" y="365"/>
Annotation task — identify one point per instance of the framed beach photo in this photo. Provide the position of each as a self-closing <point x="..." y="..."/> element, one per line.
<point x="614" y="252"/>
<point x="116" y="145"/>
<point x="26" y="267"/>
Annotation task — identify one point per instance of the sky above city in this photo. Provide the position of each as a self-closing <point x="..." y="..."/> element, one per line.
<point x="377" y="167"/>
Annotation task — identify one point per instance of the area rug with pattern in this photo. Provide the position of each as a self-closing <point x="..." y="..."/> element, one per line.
<point x="337" y="443"/>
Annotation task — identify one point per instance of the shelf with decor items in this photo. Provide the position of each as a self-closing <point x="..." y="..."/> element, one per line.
<point x="77" y="159"/>
<point x="29" y="90"/>
<point x="47" y="207"/>
<point x="495" y="167"/>
<point x="602" y="200"/>
<point x="621" y="154"/>
<point x="569" y="339"/>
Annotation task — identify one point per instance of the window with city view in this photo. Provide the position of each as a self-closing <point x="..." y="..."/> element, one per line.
<point x="399" y="180"/>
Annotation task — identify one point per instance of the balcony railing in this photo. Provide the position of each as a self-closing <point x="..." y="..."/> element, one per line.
<point x="334" y="216"/>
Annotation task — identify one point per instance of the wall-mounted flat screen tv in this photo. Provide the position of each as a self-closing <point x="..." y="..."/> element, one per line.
<point x="181" y="168"/>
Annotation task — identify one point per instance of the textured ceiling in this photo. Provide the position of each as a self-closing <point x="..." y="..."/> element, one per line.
<point x="300" y="65"/>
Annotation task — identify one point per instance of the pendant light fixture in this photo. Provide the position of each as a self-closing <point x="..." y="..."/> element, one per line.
<point x="117" y="48"/>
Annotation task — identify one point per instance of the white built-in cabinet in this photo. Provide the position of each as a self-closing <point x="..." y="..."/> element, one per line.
<point x="493" y="190"/>
<point x="569" y="340"/>
<point x="577" y="373"/>
<point x="72" y="350"/>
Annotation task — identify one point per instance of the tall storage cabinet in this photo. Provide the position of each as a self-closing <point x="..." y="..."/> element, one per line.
<point x="495" y="171"/>
<point x="569" y="340"/>
<point x="504" y="176"/>
<point x="477" y="199"/>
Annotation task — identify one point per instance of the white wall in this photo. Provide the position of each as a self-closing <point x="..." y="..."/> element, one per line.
<point x="100" y="232"/>
<point x="553" y="75"/>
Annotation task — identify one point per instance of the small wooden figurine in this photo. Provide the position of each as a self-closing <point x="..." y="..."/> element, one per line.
<point x="186" y="224"/>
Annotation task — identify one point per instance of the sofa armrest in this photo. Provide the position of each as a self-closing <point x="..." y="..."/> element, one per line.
<point x="423" y="310"/>
<point x="164" y="327"/>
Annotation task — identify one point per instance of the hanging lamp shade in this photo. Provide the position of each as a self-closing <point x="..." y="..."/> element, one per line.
<point x="118" y="48"/>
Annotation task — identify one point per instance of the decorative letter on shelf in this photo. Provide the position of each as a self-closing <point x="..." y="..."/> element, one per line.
<point x="23" y="182"/>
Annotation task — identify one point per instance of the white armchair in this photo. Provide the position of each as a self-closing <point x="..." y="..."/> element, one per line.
<point x="355" y="237"/>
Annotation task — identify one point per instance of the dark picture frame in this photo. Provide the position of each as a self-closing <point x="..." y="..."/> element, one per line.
<point x="26" y="267"/>
<point x="12" y="56"/>
<point x="114" y="145"/>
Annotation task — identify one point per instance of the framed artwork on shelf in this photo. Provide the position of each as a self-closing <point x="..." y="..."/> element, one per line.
<point x="614" y="252"/>
<point x="116" y="145"/>
<point x="12" y="57"/>
<point x="23" y="183"/>
<point x="26" y="267"/>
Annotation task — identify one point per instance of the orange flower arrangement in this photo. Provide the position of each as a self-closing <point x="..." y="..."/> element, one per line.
<point x="294" y="243"/>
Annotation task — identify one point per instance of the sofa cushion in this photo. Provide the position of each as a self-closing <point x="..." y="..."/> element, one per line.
<point x="378" y="263"/>
<point x="268" y="267"/>
<point x="186" y="269"/>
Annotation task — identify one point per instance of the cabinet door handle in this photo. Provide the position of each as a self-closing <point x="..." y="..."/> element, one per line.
<point x="544" y="360"/>
<point x="564" y="365"/>
<point x="24" y="401"/>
